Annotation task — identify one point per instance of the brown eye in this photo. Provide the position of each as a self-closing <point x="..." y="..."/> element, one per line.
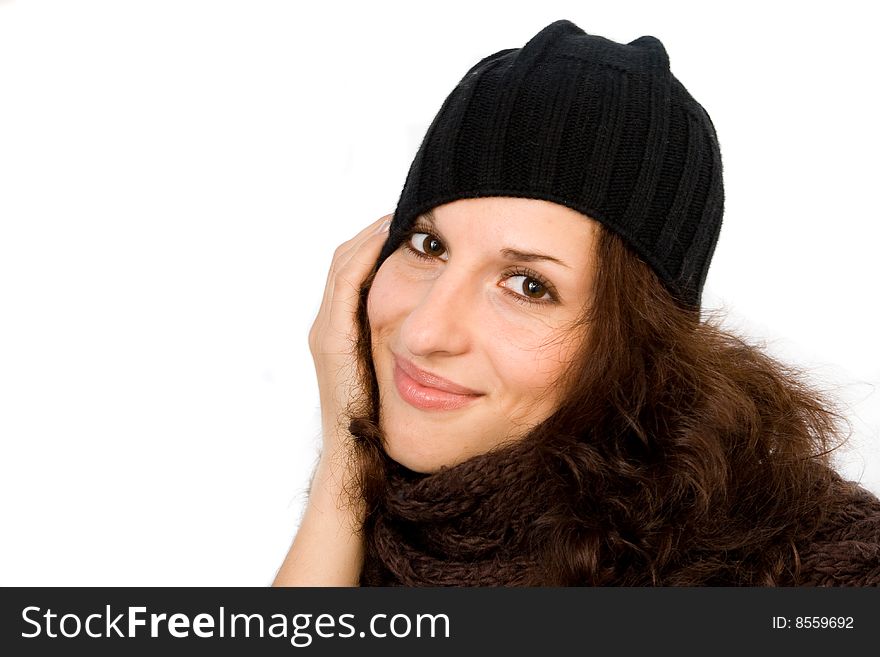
<point x="426" y="245"/>
<point x="432" y="246"/>
<point x="533" y="288"/>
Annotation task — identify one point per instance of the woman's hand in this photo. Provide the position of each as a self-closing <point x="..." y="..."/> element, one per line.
<point x="333" y="334"/>
<point x="327" y="549"/>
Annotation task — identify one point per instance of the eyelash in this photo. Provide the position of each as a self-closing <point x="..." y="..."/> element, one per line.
<point x="518" y="271"/>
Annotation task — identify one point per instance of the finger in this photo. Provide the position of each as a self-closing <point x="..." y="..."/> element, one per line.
<point x="356" y="269"/>
<point x="341" y="257"/>
<point x="372" y="243"/>
<point x="345" y="249"/>
<point x="366" y="233"/>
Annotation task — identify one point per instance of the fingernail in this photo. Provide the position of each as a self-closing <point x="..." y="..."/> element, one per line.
<point x="383" y="228"/>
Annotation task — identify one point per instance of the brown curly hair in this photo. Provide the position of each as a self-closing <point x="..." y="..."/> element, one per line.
<point x="712" y="460"/>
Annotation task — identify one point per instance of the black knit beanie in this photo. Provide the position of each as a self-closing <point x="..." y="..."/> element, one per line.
<point x="598" y="126"/>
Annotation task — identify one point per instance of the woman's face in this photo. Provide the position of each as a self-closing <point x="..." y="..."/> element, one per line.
<point x="461" y="299"/>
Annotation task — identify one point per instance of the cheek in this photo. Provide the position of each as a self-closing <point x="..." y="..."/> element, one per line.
<point x="387" y="301"/>
<point x="533" y="361"/>
<point x="378" y="299"/>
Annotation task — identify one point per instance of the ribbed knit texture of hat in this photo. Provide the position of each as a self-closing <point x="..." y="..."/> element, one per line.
<point x="597" y="126"/>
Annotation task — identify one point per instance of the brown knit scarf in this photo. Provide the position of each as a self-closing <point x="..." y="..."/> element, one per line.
<point x="846" y="550"/>
<point x="485" y="522"/>
<point x="470" y="524"/>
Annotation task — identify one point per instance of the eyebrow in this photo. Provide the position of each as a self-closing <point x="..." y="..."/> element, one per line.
<point x="507" y="252"/>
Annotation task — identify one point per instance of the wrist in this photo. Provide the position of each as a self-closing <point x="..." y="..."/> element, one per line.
<point x="334" y="485"/>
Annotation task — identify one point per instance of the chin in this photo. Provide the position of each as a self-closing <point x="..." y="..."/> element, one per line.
<point x="420" y="463"/>
<point x="411" y="457"/>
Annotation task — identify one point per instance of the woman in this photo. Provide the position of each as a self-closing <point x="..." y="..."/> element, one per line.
<point x="532" y="397"/>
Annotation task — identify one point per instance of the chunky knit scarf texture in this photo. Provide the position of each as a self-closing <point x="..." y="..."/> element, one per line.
<point x="469" y="525"/>
<point x="481" y="523"/>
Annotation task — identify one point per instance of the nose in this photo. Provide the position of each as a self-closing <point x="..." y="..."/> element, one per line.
<point x="442" y="321"/>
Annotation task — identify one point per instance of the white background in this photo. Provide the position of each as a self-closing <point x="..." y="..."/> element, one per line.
<point x="174" y="178"/>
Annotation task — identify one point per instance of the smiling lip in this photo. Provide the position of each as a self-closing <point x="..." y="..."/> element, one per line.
<point x="428" y="391"/>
